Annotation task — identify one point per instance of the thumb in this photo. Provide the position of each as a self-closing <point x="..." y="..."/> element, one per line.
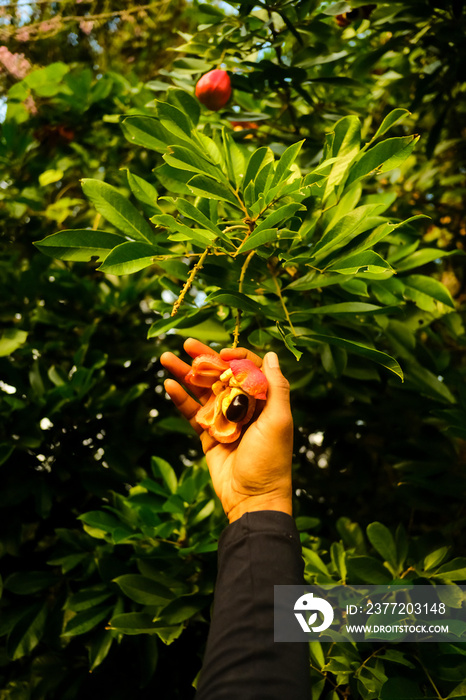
<point x="278" y="393"/>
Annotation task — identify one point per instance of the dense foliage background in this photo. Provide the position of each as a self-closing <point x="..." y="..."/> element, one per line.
<point x="108" y="523"/>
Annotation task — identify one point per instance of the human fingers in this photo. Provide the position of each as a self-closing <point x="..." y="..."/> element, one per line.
<point x="194" y="348"/>
<point x="187" y="406"/>
<point x="277" y="408"/>
<point x="180" y="369"/>
<point x="240" y="354"/>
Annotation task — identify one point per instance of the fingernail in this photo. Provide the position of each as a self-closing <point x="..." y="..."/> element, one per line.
<point x="272" y="359"/>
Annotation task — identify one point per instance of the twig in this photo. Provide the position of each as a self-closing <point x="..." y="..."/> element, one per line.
<point x="436" y="690"/>
<point x="96" y="223"/>
<point x="240" y="289"/>
<point x="287" y="315"/>
<point x="232" y="228"/>
<point x="189" y="281"/>
<point x="61" y="19"/>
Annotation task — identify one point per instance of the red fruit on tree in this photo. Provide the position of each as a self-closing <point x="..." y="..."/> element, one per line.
<point x="214" y="89"/>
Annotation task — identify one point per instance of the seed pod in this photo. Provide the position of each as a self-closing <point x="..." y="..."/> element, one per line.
<point x="235" y="386"/>
<point x="238" y="408"/>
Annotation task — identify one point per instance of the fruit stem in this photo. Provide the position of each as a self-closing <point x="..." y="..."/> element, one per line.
<point x="282" y="302"/>
<point x="240" y="289"/>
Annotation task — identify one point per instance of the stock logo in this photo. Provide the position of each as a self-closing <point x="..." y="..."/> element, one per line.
<point x="308" y="603"/>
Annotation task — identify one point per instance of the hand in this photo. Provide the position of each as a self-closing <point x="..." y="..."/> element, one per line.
<point x="253" y="473"/>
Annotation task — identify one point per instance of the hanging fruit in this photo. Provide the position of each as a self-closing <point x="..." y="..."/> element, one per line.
<point x="214" y="89"/>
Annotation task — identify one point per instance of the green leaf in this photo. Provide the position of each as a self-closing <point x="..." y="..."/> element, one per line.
<point x="146" y="132"/>
<point x="129" y="257"/>
<point x="314" y="280"/>
<point x="427" y="383"/>
<point x="183" y="232"/>
<point x="212" y="189"/>
<point x="186" y="102"/>
<point x="334" y="360"/>
<point x="343" y="145"/>
<point x="397" y="657"/>
<point x="424" y="290"/>
<point x="357" y="348"/>
<point x="165" y="324"/>
<point x="454" y="570"/>
<point x="49" y="176"/>
<point x="162" y="469"/>
<point x="367" y="261"/>
<point x="382" y="540"/>
<point x="424" y="256"/>
<point x="99" y="648"/>
<point x="143" y="190"/>
<point x="337" y="8"/>
<point x="394" y="117"/>
<point x="342" y="232"/>
<point x="257" y="239"/>
<point x="305" y="522"/>
<point x="384" y="156"/>
<point x="88" y="598"/>
<point x="458" y="692"/>
<point x="84" y="621"/>
<point x="114" y="207"/>
<point x="174" y="120"/>
<point x="279" y="216"/>
<point x="27" y="632"/>
<point x="435" y="558"/>
<point x="6" y="451"/>
<point x="288" y="339"/>
<point x="234" y="299"/>
<point x="193" y="213"/>
<point x="313" y="563"/>
<point x="144" y="590"/>
<point x="367" y="570"/>
<point x="234" y="158"/>
<point x="338" y="557"/>
<point x="286" y="160"/>
<point x="80" y="245"/>
<point x="351" y="534"/>
<point x="347" y="137"/>
<point x="322" y="58"/>
<point x="101" y="520"/>
<point x="207" y="332"/>
<point x="347" y="204"/>
<point x="29" y="582"/>
<point x="346" y="307"/>
<point x="184" y="158"/>
<point x="134" y="623"/>
<point x="181" y="609"/>
<point x="257" y="160"/>
<point x="10" y="340"/>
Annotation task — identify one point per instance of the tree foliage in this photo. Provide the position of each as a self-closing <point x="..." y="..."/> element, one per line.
<point x="318" y="215"/>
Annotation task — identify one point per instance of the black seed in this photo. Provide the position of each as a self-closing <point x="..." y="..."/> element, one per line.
<point x="238" y="408"/>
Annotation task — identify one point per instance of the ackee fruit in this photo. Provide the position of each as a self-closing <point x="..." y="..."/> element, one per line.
<point x="235" y="387"/>
<point x="214" y="89"/>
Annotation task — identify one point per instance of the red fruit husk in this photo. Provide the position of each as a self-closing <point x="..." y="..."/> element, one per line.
<point x="205" y="372"/>
<point x="214" y="89"/>
<point x="250" y="378"/>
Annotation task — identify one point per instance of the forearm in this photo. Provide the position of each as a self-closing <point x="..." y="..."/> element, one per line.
<point x="256" y="552"/>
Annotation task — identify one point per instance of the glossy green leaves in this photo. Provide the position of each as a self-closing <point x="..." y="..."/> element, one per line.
<point x="275" y="244"/>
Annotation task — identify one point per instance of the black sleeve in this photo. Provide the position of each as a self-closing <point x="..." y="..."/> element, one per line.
<point x="242" y="661"/>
